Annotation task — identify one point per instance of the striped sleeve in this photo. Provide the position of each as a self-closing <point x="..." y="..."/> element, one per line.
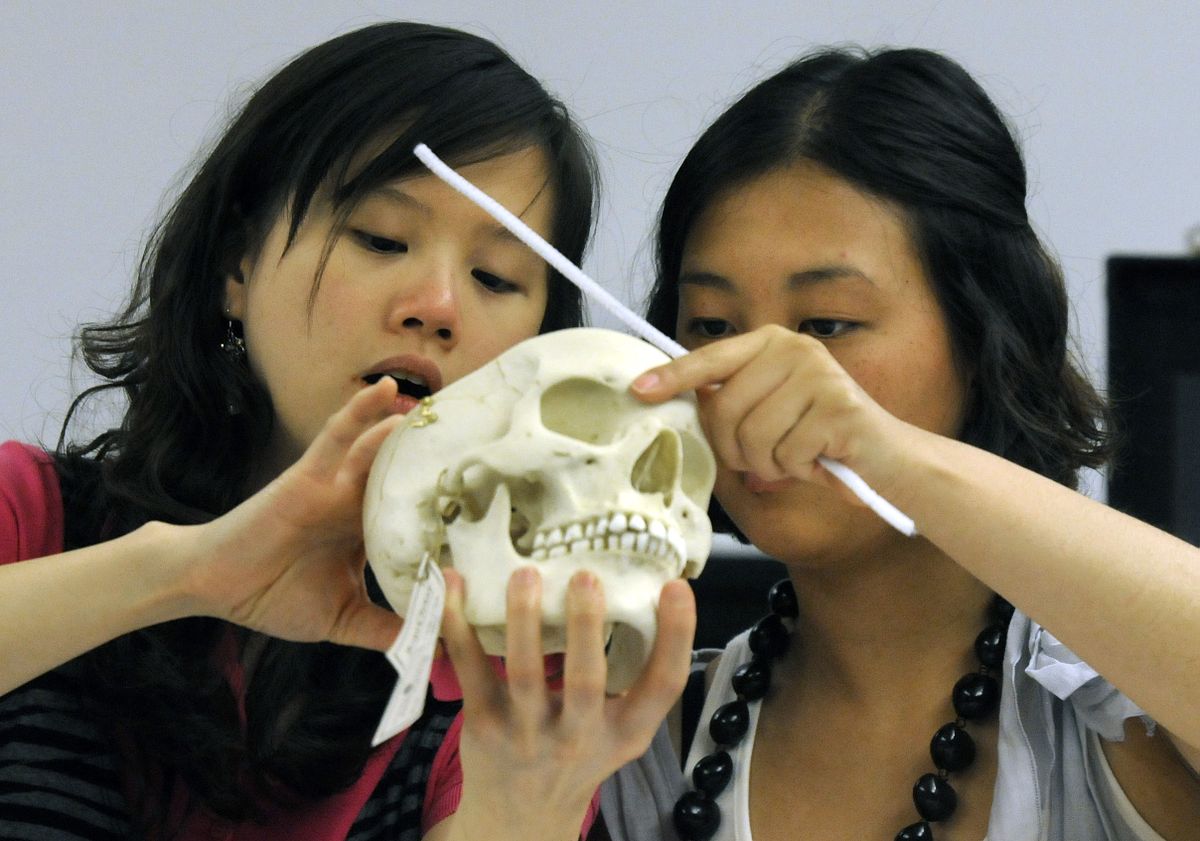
<point x="58" y="775"/>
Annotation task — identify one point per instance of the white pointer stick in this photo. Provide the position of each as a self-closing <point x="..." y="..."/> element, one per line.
<point x="894" y="517"/>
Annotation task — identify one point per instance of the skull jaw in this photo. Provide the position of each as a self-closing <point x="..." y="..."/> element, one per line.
<point x="631" y="587"/>
<point x="628" y="648"/>
<point x="494" y="639"/>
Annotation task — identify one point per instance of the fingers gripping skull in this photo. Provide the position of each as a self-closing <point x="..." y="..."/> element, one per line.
<point x="542" y="458"/>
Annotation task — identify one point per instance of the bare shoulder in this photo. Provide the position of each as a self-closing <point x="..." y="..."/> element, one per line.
<point x="1159" y="777"/>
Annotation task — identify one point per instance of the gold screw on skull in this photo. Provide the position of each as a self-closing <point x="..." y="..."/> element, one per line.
<point x="427" y="415"/>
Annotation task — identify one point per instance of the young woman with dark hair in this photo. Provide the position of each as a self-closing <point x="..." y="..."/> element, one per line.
<point x="846" y="252"/>
<point x="177" y="635"/>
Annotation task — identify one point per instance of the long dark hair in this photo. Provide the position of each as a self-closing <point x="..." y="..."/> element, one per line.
<point x="181" y="456"/>
<point x="912" y="127"/>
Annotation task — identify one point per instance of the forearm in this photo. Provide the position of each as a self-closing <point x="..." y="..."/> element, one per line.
<point x="60" y="606"/>
<point x="1120" y="593"/>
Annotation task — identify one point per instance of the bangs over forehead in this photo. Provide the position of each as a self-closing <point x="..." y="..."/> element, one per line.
<point x="342" y="120"/>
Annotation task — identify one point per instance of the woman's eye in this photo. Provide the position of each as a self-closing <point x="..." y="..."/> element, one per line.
<point x="494" y="283"/>
<point x="381" y="245"/>
<point x="710" y="328"/>
<point x="826" y="328"/>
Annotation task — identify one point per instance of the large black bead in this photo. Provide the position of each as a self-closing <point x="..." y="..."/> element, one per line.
<point x="713" y="773"/>
<point x="935" y="798"/>
<point x="752" y="680"/>
<point x="952" y="748"/>
<point x="730" y="722"/>
<point x="697" y="817"/>
<point x="916" y="832"/>
<point x="782" y="599"/>
<point x="989" y="645"/>
<point x="769" y="637"/>
<point x="976" y="696"/>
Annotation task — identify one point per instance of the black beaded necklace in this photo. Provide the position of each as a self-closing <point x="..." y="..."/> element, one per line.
<point x="976" y="696"/>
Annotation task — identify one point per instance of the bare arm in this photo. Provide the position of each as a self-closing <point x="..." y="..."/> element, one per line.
<point x="60" y="606"/>
<point x="288" y="561"/>
<point x="1122" y="594"/>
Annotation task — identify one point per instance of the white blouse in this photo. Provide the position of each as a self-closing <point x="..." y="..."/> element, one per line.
<point x="1053" y="711"/>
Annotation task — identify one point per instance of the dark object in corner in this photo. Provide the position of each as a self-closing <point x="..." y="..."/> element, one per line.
<point x="1154" y="385"/>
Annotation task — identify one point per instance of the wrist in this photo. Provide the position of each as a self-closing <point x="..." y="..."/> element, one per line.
<point x="934" y="475"/>
<point x="896" y="455"/>
<point x="164" y="572"/>
<point x="552" y="821"/>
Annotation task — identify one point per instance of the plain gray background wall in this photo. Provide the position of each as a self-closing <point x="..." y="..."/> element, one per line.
<point x="104" y="105"/>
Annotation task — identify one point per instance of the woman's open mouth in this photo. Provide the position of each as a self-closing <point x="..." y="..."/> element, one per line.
<point x="407" y="384"/>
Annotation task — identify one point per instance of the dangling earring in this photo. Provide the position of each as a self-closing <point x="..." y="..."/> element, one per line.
<point x="234" y="348"/>
<point x="233" y="344"/>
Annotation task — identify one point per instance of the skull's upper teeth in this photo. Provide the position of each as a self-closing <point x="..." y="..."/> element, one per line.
<point x="617" y="532"/>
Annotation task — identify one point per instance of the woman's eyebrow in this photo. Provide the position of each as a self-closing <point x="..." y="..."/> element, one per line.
<point x="395" y="194"/>
<point x="825" y="274"/>
<point x="706" y="279"/>
<point x="398" y="196"/>
<point x="796" y="280"/>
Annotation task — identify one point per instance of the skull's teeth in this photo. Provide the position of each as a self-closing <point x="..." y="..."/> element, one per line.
<point x="618" y="532"/>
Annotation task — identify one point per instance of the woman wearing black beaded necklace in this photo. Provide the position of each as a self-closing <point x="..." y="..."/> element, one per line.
<point x="847" y="253"/>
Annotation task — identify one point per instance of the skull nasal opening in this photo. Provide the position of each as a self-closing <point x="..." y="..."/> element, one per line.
<point x="657" y="468"/>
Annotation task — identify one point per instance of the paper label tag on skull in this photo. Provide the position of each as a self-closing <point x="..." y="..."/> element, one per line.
<point x="412" y="653"/>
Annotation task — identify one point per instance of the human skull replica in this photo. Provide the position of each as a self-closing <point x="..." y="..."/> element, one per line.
<point x="542" y="458"/>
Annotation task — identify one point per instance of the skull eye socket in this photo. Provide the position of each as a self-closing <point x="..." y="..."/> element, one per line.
<point x="585" y="410"/>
